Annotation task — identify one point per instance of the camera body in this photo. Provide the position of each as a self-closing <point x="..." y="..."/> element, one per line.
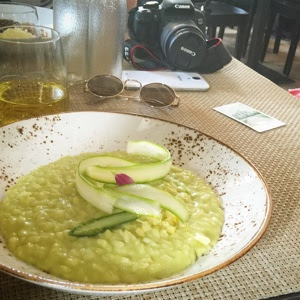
<point x="174" y="30"/>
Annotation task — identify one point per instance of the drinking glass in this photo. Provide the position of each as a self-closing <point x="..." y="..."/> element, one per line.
<point x="33" y="76"/>
<point x="93" y="33"/>
<point x="13" y="13"/>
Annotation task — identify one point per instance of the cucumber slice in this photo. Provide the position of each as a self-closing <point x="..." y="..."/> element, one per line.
<point x="104" y="161"/>
<point x="138" y="205"/>
<point x="148" y="149"/>
<point x="143" y="200"/>
<point x="165" y="200"/>
<point x="139" y="173"/>
<point x="96" y="195"/>
<point x="97" y="225"/>
<point x="106" y="199"/>
<point x="103" y="168"/>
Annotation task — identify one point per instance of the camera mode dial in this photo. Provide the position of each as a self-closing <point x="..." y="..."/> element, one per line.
<point x="151" y="5"/>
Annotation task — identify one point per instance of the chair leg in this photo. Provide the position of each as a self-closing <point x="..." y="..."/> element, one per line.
<point x="211" y="32"/>
<point x="292" y="50"/>
<point x="239" y="44"/>
<point x="247" y="34"/>
<point x="279" y="32"/>
<point x="221" y="32"/>
<point x="214" y="32"/>
<point x="249" y="26"/>
<point x="268" y="34"/>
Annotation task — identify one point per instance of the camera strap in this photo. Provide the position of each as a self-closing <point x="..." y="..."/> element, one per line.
<point x="142" y="58"/>
<point x="217" y="56"/>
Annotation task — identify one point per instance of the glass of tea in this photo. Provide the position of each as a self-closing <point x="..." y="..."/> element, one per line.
<point x="13" y="13"/>
<point x="33" y="76"/>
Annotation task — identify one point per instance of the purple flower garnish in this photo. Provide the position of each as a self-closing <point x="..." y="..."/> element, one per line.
<point x="122" y="179"/>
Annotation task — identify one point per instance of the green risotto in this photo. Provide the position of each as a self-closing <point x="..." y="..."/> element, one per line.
<point x="39" y="211"/>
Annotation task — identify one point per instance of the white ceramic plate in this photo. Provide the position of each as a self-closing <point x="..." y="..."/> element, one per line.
<point x="28" y="144"/>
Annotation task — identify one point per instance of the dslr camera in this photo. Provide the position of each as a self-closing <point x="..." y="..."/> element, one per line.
<point x="173" y="30"/>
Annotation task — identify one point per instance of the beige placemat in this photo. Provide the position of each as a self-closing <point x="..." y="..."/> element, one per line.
<point x="272" y="267"/>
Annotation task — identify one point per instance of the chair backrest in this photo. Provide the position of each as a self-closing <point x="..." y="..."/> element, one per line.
<point x="244" y="4"/>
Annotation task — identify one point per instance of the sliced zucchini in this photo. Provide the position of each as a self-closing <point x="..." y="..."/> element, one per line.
<point x="95" y="195"/>
<point x="104" y="167"/>
<point x="165" y="200"/>
<point x="139" y="173"/>
<point x="148" y="149"/>
<point x="104" y="161"/>
<point x="106" y="199"/>
<point x="138" y="205"/>
<point x="97" y="225"/>
<point x="134" y="198"/>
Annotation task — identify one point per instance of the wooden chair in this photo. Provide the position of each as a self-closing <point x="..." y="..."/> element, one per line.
<point x="250" y="7"/>
<point x="289" y="9"/>
<point x="223" y="15"/>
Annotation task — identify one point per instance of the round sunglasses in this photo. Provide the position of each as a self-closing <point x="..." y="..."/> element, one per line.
<point x="156" y="95"/>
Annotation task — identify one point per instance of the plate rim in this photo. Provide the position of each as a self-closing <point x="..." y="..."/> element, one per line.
<point x="107" y="289"/>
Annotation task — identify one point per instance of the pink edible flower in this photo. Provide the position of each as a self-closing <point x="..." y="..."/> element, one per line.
<point x="122" y="179"/>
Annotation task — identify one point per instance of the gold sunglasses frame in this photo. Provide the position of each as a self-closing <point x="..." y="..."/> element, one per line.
<point x="174" y="103"/>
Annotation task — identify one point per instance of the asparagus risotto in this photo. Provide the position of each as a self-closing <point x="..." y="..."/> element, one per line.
<point x="39" y="212"/>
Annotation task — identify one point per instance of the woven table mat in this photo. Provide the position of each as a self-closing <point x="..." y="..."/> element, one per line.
<point x="272" y="266"/>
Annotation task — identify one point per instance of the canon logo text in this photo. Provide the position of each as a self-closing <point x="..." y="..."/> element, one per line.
<point x="192" y="53"/>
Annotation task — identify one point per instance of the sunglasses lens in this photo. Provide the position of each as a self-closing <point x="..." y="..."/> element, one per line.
<point x="157" y="95"/>
<point x="105" y="85"/>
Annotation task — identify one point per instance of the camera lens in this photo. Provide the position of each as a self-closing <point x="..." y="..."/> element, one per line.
<point x="184" y="45"/>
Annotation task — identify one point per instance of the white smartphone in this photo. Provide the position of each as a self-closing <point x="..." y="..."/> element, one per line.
<point x="180" y="81"/>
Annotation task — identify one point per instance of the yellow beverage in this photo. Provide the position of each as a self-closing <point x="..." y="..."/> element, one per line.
<point x="23" y="99"/>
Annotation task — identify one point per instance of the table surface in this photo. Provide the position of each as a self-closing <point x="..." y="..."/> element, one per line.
<point x="271" y="267"/>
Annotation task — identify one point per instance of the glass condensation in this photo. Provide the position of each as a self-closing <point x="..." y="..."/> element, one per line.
<point x="93" y="34"/>
<point x="70" y="20"/>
